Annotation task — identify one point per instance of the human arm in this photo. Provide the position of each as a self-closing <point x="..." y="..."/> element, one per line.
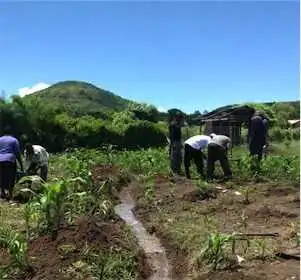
<point x="17" y="152"/>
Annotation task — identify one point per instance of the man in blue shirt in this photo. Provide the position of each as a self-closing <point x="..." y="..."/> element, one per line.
<point x="9" y="154"/>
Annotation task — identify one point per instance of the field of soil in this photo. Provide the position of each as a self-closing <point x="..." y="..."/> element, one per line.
<point x="181" y="216"/>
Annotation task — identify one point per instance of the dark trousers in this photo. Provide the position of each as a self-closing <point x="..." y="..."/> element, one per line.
<point x="216" y="152"/>
<point x="44" y="172"/>
<point x="195" y="155"/>
<point x="7" y="178"/>
<point x="176" y="156"/>
<point x="256" y="152"/>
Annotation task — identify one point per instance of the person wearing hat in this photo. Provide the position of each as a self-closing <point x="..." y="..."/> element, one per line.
<point x="175" y="148"/>
<point x="218" y="148"/>
<point x="193" y="150"/>
<point x="9" y="155"/>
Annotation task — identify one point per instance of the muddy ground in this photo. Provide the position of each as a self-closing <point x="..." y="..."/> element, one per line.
<point x="182" y="217"/>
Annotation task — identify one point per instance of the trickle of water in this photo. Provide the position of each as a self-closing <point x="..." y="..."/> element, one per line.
<point x="150" y="244"/>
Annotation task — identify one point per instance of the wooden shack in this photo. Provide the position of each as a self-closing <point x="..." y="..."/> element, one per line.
<point x="227" y="120"/>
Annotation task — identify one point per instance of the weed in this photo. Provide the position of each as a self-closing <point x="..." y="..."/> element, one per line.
<point x="261" y="244"/>
<point x="214" y="250"/>
<point x="149" y="191"/>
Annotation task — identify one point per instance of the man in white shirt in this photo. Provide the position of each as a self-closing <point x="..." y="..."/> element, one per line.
<point x="218" y="150"/>
<point x="193" y="149"/>
<point x="36" y="158"/>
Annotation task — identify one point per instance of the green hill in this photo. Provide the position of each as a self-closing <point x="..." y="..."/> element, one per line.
<point x="80" y="98"/>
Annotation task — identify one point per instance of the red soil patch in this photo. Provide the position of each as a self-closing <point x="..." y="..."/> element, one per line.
<point x="47" y="261"/>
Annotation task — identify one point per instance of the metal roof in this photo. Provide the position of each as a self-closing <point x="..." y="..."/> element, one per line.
<point x="238" y="113"/>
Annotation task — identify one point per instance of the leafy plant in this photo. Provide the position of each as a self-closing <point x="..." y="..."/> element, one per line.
<point x="17" y="246"/>
<point x="149" y="191"/>
<point x="262" y="246"/>
<point x="214" y="250"/>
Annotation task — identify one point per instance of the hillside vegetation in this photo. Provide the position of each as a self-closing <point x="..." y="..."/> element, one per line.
<point x="80" y="98"/>
<point x="74" y="114"/>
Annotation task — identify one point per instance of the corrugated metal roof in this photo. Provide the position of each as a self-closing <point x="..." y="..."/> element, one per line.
<point x="242" y="113"/>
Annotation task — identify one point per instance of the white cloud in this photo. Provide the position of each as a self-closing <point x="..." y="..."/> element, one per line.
<point x="161" y="109"/>
<point x="29" y="90"/>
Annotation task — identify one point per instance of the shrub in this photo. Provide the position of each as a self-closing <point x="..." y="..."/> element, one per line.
<point x="143" y="134"/>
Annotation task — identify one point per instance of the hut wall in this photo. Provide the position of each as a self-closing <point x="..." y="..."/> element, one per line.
<point x="233" y="129"/>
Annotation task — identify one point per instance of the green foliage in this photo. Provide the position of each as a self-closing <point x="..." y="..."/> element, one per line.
<point x="80" y="98"/>
<point x="143" y="134"/>
<point x="144" y="112"/>
<point x="214" y="251"/>
<point x="121" y="120"/>
<point x="16" y="245"/>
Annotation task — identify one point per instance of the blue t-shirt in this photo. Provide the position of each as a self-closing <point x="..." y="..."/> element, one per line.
<point x="9" y="148"/>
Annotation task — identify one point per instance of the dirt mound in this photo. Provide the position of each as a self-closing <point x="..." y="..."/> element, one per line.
<point x="198" y="195"/>
<point x="226" y="275"/>
<point x="104" y="172"/>
<point x="266" y="211"/>
<point x="48" y="257"/>
<point x="280" y="191"/>
<point x="116" y="175"/>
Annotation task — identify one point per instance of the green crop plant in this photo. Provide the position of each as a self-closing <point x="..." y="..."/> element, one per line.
<point x="261" y="244"/>
<point x="108" y="150"/>
<point x="50" y="206"/>
<point x="16" y="245"/>
<point x="214" y="250"/>
<point x="149" y="191"/>
<point x="246" y="193"/>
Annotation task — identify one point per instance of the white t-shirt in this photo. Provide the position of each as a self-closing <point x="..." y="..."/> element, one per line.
<point x="39" y="157"/>
<point x="198" y="142"/>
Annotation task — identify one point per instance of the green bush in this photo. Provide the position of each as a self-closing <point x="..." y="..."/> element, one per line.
<point x="143" y="134"/>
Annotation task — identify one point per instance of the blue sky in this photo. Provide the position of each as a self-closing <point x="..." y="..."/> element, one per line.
<point x="188" y="55"/>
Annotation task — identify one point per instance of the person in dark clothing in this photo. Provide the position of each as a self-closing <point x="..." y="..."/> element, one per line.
<point x="9" y="154"/>
<point x="193" y="150"/>
<point x="218" y="150"/>
<point x="175" y="148"/>
<point x="266" y="133"/>
<point x="257" y="139"/>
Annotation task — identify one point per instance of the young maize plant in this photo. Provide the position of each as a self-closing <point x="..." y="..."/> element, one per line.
<point x="214" y="250"/>
<point x="16" y="245"/>
<point x="50" y="205"/>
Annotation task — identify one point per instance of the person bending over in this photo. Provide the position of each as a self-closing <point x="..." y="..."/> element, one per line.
<point x="193" y="150"/>
<point x="37" y="158"/>
<point x="218" y="150"/>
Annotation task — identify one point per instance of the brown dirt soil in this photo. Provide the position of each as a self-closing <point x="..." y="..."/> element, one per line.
<point x="103" y="172"/>
<point x="47" y="261"/>
<point x="272" y="209"/>
<point x="114" y="174"/>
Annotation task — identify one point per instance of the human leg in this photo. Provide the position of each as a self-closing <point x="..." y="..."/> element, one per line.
<point x="44" y="172"/>
<point x="224" y="161"/>
<point x="199" y="162"/>
<point x="187" y="159"/>
<point x="211" y="160"/>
